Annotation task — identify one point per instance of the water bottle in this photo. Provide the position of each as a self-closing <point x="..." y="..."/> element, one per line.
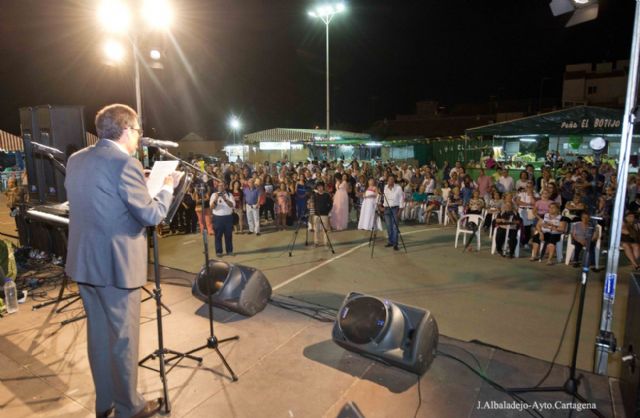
<point x="10" y="295"/>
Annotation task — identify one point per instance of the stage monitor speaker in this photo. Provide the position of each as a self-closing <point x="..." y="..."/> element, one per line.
<point x="630" y="375"/>
<point x="34" y="166"/>
<point x="240" y="289"/>
<point x="60" y="127"/>
<point x="399" y="335"/>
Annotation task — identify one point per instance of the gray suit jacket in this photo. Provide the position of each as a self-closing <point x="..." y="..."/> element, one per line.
<point x="109" y="209"/>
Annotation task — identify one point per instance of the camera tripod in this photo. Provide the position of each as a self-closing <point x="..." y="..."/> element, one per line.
<point x="301" y="221"/>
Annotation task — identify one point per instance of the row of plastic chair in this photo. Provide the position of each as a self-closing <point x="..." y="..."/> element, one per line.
<point x="464" y="229"/>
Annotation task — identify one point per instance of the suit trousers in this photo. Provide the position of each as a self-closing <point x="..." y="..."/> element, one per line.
<point x="253" y="218"/>
<point x="113" y="334"/>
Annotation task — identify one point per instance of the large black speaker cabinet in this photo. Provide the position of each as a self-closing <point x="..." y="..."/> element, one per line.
<point x="630" y="376"/>
<point x="240" y="289"/>
<point x="29" y="128"/>
<point x="60" y="127"/>
<point x="396" y="334"/>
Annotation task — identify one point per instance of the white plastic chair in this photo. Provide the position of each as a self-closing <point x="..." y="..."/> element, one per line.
<point x="506" y="242"/>
<point x="571" y="248"/>
<point x="461" y="228"/>
<point x="559" y="248"/>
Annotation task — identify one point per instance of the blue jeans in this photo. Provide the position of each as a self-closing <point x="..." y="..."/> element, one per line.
<point x="392" y="224"/>
<point x="223" y="225"/>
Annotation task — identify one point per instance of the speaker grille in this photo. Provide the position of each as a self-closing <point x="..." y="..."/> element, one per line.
<point x="363" y="319"/>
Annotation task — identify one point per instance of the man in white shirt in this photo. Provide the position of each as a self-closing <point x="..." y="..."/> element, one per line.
<point x="222" y="203"/>
<point x="393" y="201"/>
<point x="505" y="182"/>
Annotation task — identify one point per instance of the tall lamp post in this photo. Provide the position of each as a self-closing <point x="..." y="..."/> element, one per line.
<point x="326" y="12"/>
<point x="115" y="16"/>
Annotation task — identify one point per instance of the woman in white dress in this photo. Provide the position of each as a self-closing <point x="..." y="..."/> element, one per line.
<point x="340" y="211"/>
<point x="368" y="216"/>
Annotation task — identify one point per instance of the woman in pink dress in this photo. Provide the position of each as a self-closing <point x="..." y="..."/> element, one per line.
<point x="340" y="210"/>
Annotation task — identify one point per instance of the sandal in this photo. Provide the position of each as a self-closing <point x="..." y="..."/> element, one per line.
<point x="550" y="263"/>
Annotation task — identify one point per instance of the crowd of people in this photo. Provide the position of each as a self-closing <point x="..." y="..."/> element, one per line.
<point x="542" y="205"/>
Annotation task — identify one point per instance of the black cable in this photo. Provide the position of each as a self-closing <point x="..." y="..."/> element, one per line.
<point x="562" y="336"/>
<point x="492" y="383"/>
<point x="419" y="398"/>
<point x="318" y="314"/>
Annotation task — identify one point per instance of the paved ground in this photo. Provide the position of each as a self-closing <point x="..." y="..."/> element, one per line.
<point x="514" y="304"/>
<point x="287" y="364"/>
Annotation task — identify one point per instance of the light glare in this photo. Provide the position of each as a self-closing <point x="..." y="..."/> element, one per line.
<point x="234" y="123"/>
<point x="327" y="10"/>
<point x="157" y="13"/>
<point x="114" y="51"/>
<point x="114" y="16"/>
<point x="155" y="54"/>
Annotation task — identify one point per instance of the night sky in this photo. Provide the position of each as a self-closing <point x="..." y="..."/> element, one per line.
<point x="264" y="59"/>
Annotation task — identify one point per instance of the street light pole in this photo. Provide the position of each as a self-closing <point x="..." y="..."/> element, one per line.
<point x="327" y="21"/>
<point x="326" y="14"/>
<point x="138" y="85"/>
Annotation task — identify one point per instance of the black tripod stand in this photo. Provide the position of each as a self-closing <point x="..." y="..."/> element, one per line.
<point x="212" y="342"/>
<point x="301" y="222"/>
<point x="374" y="230"/>
<point x="570" y="387"/>
<point x="162" y="351"/>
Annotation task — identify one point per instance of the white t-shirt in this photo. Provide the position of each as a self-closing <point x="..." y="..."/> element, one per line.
<point x="222" y="208"/>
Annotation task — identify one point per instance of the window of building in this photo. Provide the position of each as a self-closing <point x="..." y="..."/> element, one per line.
<point x="592" y="90"/>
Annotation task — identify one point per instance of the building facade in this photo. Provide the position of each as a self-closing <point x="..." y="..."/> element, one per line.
<point x="603" y="84"/>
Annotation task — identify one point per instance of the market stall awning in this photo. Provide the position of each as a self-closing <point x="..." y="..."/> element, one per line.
<point x="10" y="142"/>
<point x="580" y="120"/>
<point x="304" y="136"/>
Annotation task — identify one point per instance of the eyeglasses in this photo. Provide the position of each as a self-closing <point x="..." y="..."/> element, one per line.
<point x="138" y="130"/>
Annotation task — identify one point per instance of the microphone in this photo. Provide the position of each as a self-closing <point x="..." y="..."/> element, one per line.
<point x="38" y="147"/>
<point x="150" y="142"/>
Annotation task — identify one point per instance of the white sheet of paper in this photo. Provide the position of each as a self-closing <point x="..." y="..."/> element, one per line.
<point x="160" y="170"/>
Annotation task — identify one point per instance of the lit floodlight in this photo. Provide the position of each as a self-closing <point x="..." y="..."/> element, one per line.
<point x="155" y="55"/>
<point x="157" y="13"/>
<point x="114" y="16"/>
<point x="113" y="51"/>
<point x="326" y="11"/>
<point x="234" y="123"/>
<point x="583" y="10"/>
<point x="598" y="145"/>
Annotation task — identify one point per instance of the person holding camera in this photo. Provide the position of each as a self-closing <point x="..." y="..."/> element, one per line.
<point x="223" y="205"/>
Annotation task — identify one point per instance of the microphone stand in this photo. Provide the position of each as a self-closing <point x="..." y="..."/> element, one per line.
<point x="212" y="342"/>
<point x="571" y="385"/>
<point x="162" y="351"/>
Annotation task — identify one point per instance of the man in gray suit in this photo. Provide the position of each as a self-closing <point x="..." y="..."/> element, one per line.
<point x="109" y="209"/>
